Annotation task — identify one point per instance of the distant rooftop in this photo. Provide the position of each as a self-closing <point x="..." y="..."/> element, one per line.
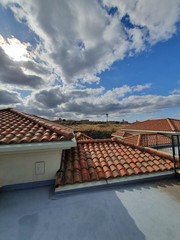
<point x="121" y="134"/>
<point x="155" y="125"/>
<point x="148" y="140"/>
<point x="17" y="127"/>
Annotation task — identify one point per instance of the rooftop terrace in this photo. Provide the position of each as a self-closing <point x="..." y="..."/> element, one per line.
<point x="137" y="211"/>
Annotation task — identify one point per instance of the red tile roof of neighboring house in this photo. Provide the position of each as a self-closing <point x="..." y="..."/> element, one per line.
<point x="17" y="127"/>
<point x="93" y="160"/>
<point x="147" y="140"/>
<point x="82" y="136"/>
<point x="165" y="124"/>
<point x="121" y="134"/>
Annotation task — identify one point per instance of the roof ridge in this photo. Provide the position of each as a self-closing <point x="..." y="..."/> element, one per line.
<point x="131" y="136"/>
<point x="5" y="109"/>
<point x="118" y="132"/>
<point x="174" y="119"/>
<point x="171" y="124"/>
<point x="149" y="150"/>
<point x="153" y="119"/>
<point x="97" y="140"/>
<point x="47" y="124"/>
<point x="78" y="134"/>
<point x="139" y="139"/>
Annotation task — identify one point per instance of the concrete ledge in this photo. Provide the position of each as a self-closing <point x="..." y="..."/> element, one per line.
<point x="111" y="183"/>
<point x="80" y="186"/>
<point x="141" y="177"/>
<point x="178" y="173"/>
<point x="27" y="185"/>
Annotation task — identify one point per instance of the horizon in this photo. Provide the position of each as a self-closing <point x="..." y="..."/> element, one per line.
<point x="119" y="58"/>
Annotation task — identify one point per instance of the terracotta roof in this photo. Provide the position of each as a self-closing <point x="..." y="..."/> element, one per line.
<point x="147" y="140"/>
<point x="164" y="124"/>
<point x="17" y="127"/>
<point x="81" y="136"/>
<point x="121" y="134"/>
<point x="93" y="160"/>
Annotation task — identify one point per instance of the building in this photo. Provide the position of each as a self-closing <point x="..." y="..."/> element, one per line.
<point x="30" y="148"/>
<point x="163" y="126"/>
<point x="162" y="134"/>
<point x="153" y="140"/>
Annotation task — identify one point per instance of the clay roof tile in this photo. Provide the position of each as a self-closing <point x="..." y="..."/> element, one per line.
<point x="92" y="165"/>
<point x="16" y="127"/>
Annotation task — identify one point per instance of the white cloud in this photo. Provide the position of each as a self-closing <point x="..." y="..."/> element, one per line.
<point x="80" y="39"/>
<point x="175" y="91"/>
<point x="11" y="73"/>
<point x="139" y="88"/>
<point x="137" y="39"/>
<point x="159" y="18"/>
<point x="74" y="102"/>
<point x="9" y="98"/>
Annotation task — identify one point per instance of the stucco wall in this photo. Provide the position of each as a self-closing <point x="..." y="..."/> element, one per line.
<point x="29" y="166"/>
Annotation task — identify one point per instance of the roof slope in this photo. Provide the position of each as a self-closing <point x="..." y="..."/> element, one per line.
<point x="121" y="134"/>
<point x="164" y="124"/>
<point x="94" y="160"/>
<point x="147" y="140"/>
<point x="17" y="127"/>
<point x="81" y="136"/>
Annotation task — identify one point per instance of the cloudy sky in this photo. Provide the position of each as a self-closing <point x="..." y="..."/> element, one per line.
<point x="81" y="59"/>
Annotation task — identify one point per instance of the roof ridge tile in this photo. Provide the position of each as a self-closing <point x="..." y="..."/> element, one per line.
<point x="139" y="139"/>
<point x="97" y="140"/>
<point x="171" y="124"/>
<point x="149" y="150"/>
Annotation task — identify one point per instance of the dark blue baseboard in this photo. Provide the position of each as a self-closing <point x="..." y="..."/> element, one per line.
<point x="27" y="185"/>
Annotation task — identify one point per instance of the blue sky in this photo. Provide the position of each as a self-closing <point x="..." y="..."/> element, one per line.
<point x="82" y="59"/>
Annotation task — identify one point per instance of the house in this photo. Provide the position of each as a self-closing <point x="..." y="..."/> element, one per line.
<point x="30" y="148"/>
<point x="162" y="134"/>
<point x="153" y="140"/>
<point x="163" y="126"/>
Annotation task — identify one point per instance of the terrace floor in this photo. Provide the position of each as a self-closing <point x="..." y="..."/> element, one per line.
<point x="137" y="211"/>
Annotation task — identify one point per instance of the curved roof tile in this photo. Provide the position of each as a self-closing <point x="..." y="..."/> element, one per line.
<point x="109" y="158"/>
<point x="164" y="124"/>
<point x="17" y="127"/>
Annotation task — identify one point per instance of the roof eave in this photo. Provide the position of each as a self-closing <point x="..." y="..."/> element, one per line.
<point x="7" y="148"/>
<point x="109" y="183"/>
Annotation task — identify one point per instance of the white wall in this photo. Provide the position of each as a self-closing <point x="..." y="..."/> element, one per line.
<point x="29" y="166"/>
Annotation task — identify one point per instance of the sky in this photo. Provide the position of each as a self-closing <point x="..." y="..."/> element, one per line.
<point x="81" y="59"/>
